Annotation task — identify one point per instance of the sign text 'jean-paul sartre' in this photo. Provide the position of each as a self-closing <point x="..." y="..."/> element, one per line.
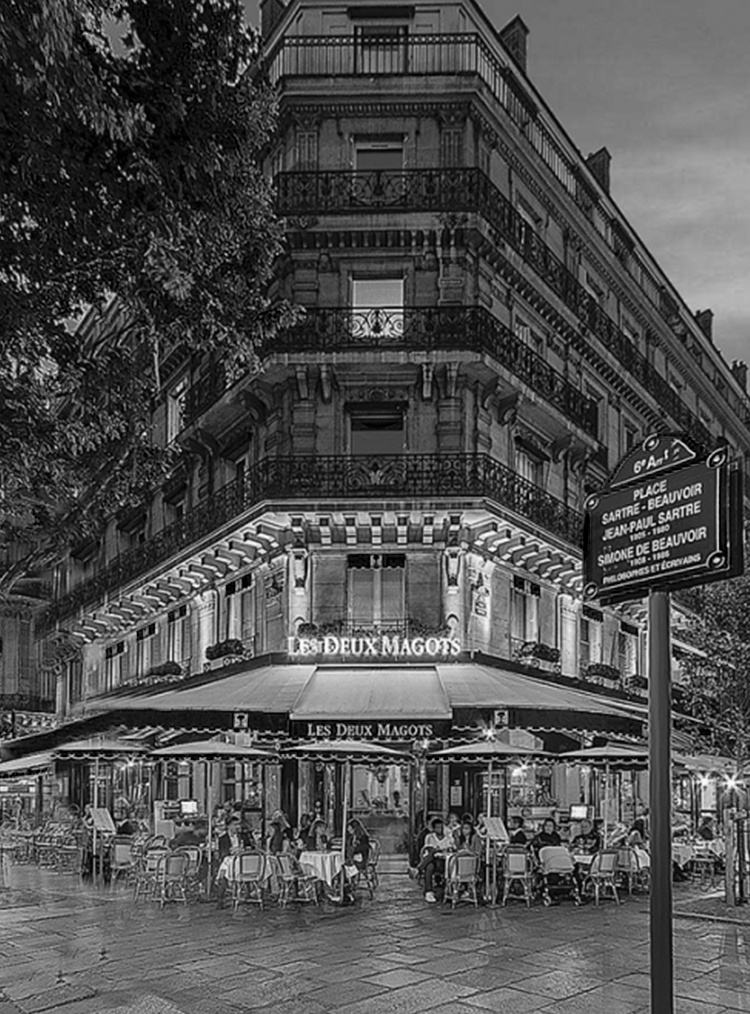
<point x="376" y="646"/>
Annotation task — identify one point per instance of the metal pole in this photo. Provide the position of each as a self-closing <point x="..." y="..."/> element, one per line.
<point x="660" y="801"/>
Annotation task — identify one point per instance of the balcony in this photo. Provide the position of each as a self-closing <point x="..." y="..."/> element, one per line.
<point x="424" y="190"/>
<point x="332" y="477"/>
<point x="334" y="329"/>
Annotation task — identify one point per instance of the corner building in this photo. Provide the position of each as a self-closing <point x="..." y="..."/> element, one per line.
<point x="377" y="535"/>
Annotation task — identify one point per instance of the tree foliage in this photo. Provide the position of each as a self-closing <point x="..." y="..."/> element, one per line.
<point x="130" y="137"/>
<point x="716" y="688"/>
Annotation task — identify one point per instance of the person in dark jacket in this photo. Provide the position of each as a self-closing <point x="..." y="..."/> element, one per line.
<point x="518" y="832"/>
<point x="357" y="844"/>
<point x="234" y="840"/>
<point x="547" y="836"/>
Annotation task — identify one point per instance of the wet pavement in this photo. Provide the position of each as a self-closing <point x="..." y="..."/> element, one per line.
<point x="67" y="946"/>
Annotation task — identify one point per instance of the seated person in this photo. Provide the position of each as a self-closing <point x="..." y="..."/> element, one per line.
<point x="518" y="834"/>
<point x="587" y="841"/>
<point x="637" y="832"/>
<point x="706" y="830"/>
<point x="281" y="834"/>
<point x="195" y="835"/>
<point x="467" y="839"/>
<point x="234" y="840"/>
<point x="453" y="824"/>
<point x="357" y="844"/>
<point x="439" y="840"/>
<point x="319" y="835"/>
<point x="547" y="836"/>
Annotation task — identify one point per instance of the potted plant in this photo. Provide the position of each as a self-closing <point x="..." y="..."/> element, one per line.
<point x="539" y="652"/>
<point x="602" y="671"/>
<point x="232" y="646"/>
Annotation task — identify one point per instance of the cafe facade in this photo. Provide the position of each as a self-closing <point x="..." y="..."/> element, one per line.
<point x="375" y="532"/>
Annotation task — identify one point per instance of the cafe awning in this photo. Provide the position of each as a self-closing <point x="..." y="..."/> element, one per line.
<point x="33" y="762"/>
<point x="480" y="686"/>
<point x="268" y="689"/>
<point x="339" y="693"/>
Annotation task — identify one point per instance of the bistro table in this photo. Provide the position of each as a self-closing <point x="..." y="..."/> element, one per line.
<point x="326" y="866"/>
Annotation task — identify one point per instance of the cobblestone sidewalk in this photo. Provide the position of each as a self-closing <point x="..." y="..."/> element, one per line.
<point x="68" y="947"/>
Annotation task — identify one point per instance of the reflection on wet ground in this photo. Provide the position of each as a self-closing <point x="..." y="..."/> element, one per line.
<point x="66" y="945"/>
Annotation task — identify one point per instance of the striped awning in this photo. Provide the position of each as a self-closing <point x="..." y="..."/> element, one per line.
<point x="33" y="762"/>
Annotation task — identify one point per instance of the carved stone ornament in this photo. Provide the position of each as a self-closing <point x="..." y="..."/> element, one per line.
<point x="299" y="567"/>
<point x="452" y="567"/>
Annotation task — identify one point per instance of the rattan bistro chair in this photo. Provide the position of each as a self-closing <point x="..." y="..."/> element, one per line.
<point x="121" y="859"/>
<point x="603" y="874"/>
<point x="518" y="869"/>
<point x="630" y="871"/>
<point x="294" y="883"/>
<point x="146" y="874"/>
<point x="461" y="873"/>
<point x="170" y="878"/>
<point x="247" y="876"/>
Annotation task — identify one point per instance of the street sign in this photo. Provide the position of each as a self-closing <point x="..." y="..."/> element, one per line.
<point x="660" y="528"/>
<point x="665" y="520"/>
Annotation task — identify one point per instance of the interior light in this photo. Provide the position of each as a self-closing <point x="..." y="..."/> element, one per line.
<point x="489" y="733"/>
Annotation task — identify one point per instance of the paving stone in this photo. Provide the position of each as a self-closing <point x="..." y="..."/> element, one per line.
<point x="398" y="977"/>
<point x="507" y="1000"/>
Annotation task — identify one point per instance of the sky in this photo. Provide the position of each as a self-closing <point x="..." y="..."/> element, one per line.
<point x="665" y="86"/>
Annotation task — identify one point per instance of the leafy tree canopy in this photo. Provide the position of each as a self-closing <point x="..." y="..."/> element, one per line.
<point x="130" y="135"/>
<point x="716" y="688"/>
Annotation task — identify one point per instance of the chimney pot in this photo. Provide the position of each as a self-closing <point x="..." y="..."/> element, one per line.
<point x="705" y="321"/>
<point x="739" y="371"/>
<point x="599" y="163"/>
<point x="514" y="37"/>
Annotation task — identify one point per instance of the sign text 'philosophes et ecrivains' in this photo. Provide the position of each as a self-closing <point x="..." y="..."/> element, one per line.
<point x="666" y="529"/>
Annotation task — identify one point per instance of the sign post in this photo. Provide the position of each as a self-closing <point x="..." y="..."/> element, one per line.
<point x="666" y="520"/>
<point x="660" y="800"/>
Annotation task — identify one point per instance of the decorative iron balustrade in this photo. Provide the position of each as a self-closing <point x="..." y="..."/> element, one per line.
<point x="469" y="189"/>
<point x="331" y="329"/>
<point x="402" y="477"/>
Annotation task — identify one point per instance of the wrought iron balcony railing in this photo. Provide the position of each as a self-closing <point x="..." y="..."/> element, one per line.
<point x="331" y="477"/>
<point x="333" y="329"/>
<point x="469" y="189"/>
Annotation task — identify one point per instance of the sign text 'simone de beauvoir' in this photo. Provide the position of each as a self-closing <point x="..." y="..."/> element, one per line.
<point x="649" y="531"/>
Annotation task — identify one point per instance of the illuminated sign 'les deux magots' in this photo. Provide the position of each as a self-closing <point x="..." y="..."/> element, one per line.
<point x="375" y="646"/>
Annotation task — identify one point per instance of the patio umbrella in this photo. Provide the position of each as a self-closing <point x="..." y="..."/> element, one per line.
<point x="209" y="750"/>
<point x="344" y="751"/>
<point x="98" y="748"/>
<point x="486" y="751"/>
<point x="612" y="755"/>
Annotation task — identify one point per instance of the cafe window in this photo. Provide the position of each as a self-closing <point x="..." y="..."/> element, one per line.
<point x="145" y="649"/>
<point x="114" y="665"/>
<point x="377" y="430"/>
<point x="524" y="610"/>
<point x="239" y="609"/>
<point x="376" y="588"/>
<point x="178" y="634"/>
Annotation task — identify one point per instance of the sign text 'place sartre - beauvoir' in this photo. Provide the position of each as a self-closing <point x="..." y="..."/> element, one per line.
<point x="665" y="528"/>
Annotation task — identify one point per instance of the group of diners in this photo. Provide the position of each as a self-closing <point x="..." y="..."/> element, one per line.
<point x="469" y="835"/>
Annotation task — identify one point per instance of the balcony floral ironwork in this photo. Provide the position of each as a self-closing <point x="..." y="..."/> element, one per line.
<point x="331" y="477"/>
<point x="469" y="190"/>
<point x="333" y="329"/>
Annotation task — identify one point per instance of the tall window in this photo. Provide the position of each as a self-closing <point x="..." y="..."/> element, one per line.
<point x="145" y="649"/>
<point x="627" y="649"/>
<point x="524" y="611"/>
<point x="376" y="588"/>
<point x="377" y="309"/>
<point x="176" y="400"/>
<point x="376" y="430"/>
<point x="452" y="147"/>
<point x="306" y="150"/>
<point x="529" y="467"/>
<point x="591" y="636"/>
<point x="239" y="609"/>
<point x="178" y="635"/>
<point x="114" y="665"/>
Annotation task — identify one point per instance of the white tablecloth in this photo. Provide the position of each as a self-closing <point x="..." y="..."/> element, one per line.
<point x="324" y="865"/>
